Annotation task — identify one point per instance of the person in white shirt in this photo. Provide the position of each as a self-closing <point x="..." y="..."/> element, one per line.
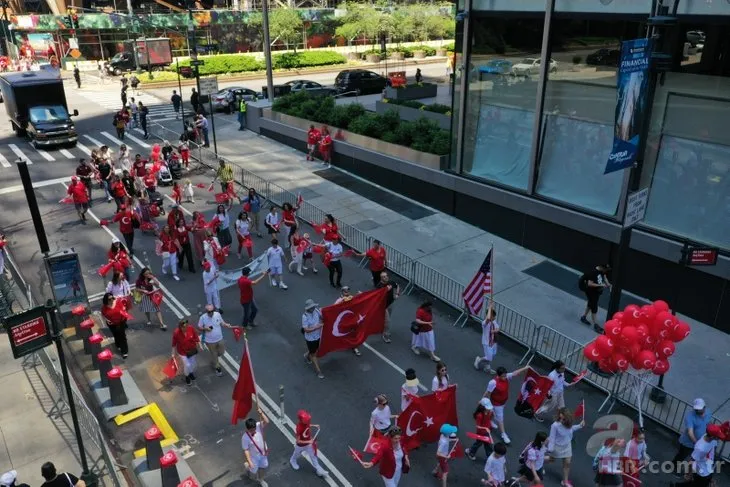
<point x="255" y="448"/>
<point x="608" y="464"/>
<point x="381" y="417"/>
<point x="560" y="441"/>
<point x="496" y="466"/>
<point x="533" y="460"/>
<point x="312" y="329"/>
<point x="276" y="257"/>
<point x="210" y="286"/>
<point x="209" y="325"/>
<point x="446" y="442"/>
<point x="490" y="329"/>
<point x="210" y="244"/>
<point x="335" y="250"/>
<point x="703" y="458"/>
<point x="636" y="453"/>
<point x="243" y="234"/>
<point x="272" y="221"/>
<point x="119" y="286"/>
<point x="345" y="296"/>
<point x="123" y="162"/>
<point x="441" y="380"/>
<point x="556" y="395"/>
<point x="408" y="389"/>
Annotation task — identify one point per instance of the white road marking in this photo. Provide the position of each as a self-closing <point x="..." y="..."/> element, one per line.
<point x="43" y="153"/>
<point x="68" y="155"/>
<point x="4" y="161"/>
<point x="83" y="148"/>
<point x="38" y="184"/>
<point x="94" y="141"/>
<point x="19" y="153"/>
<point x="112" y="138"/>
<point x="139" y="141"/>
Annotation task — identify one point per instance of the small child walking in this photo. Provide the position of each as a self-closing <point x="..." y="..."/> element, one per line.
<point x="176" y="193"/>
<point x="446" y="443"/>
<point x="184" y="150"/>
<point x="189" y="192"/>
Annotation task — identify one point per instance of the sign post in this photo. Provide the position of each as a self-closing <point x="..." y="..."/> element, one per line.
<point x="28" y="331"/>
<point x="209" y="86"/>
<point x="636" y="207"/>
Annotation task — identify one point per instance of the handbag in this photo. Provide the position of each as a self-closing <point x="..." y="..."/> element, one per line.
<point x="135" y="222"/>
<point x="415" y="328"/>
<point x="191" y="353"/>
<point x="137" y="296"/>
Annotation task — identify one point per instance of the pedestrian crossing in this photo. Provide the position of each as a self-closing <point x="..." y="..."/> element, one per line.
<point x="159" y="110"/>
<point x="23" y="150"/>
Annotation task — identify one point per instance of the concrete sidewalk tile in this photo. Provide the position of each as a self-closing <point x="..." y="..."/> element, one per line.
<point x="352" y="218"/>
<point x="23" y="399"/>
<point x="367" y="225"/>
<point x="32" y="436"/>
<point x="5" y="463"/>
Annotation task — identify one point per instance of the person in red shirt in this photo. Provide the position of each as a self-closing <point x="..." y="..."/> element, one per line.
<point x="424" y="339"/>
<point x="127" y="219"/>
<point x="378" y="260"/>
<point x="245" y="287"/>
<point x="119" y="191"/>
<point x="80" y="195"/>
<point x="306" y="442"/>
<point x="483" y="419"/>
<point x="392" y="457"/>
<point x="331" y="230"/>
<point x="498" y="393"/>
<point x="289" y="219"/>
<point x="116" y="319"/>
<point x="182" y="232"/>
<point x="139" y="167"/>
<point x="175" y="215"/>
<point x="313" y="136"/>
<point x="176" y="193"/>
<point x="325" y="146"/>
<point x="170" y="247"/>
<point x="186" y="343"/>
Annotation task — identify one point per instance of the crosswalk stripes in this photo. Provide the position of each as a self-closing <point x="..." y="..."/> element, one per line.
<point x="19" y="153"/>
<point x="4" y="162"/>
<point x="67" y="154"/>
<point x="45" y="155"/>
<point x="158" y="110"/>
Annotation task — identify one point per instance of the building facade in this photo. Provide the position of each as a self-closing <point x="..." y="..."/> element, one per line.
<point x="533" y="126"/>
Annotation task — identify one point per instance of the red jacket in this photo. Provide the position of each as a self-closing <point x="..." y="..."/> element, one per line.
<point x="386" y="458"/>
<point x="125" y="221"/>
<point x="313" y="136"/>
<point x="78" y="192"/>
<point x="331" y="231"/>
<point x="113" y="315"/>
<point x="185" y="342"/>
<point x="174" y="216"/>
<point x="169" y="243"/>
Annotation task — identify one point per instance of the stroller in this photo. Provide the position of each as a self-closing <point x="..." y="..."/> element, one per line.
<point x="155" y="198"/>
<point x="164" y="176"/>
<point x="175" y="167"/>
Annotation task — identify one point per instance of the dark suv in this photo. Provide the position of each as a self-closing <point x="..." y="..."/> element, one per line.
<point x="359" y="82"/>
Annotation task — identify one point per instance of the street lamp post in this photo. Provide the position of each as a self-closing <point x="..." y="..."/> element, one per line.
<point x="193" y="45"/>
<point x="267" y="50"/>
<point x="130" y="9"/>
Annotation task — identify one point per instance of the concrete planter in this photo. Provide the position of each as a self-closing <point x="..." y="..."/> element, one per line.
<point x="442" y="52"/>
<point x="412" y="92"/>
<point x="373" y="58"/>
<point x="397" y="56"/>
<point x="353" y="145"/>
<point x="353" y="56"/>
<point x="410" y="114"/>
<point x="419" y="54"/>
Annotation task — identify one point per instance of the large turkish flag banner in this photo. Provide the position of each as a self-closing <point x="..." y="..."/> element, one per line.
<point x="348" y="324"/>
<point x="421" y="421"/>
<point x="533" y="392"/>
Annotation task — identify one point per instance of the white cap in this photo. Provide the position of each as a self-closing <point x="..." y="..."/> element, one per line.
<point x="698" y="404"/>
<point x="486" y="403"/>
<point x="8" y="478"/>
<point x="115" y="240"/>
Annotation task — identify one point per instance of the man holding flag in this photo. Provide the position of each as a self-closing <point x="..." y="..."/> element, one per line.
<point x="480" y="286"/>
<point x="490" y="329"/>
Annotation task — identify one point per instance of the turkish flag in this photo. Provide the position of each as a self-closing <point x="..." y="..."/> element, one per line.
<point x="375" y="442"/>
<point x="630" y="481"/>
<point x="533" y="392"/>
<point x="580" y="411"/>
<point x="421" y="421"/>
<point x="348" y="324"/>
<point x="245" y="388"/>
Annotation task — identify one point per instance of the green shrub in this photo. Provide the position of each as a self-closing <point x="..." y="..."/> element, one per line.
<point x="430" y="51"/>
<point x="449" y="47"/>
<point x="226" y="63"/>
<point x="304" y="59"/>
<point x="437" y="108"/>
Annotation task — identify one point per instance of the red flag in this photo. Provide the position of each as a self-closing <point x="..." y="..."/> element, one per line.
<point x="201" y="185"/>
<point x="148" y="226"/>
<point x="533" y="393"/>
<point x="630" y="481"/>
<point x="104" y="270"/>
<point x="103" y="222"/>
<point x="474" y="436"/>
<point x="210" y="188"/>
<point x="156" y="297"/>
<point x="580" y="376"/>
<point x="356" y="455"/>
<point x="244" y="389"/>
<point x="580" y="410"/>
<point x="222" y="198"/>
<point x="348" y="253"/>
<point x="237" y="332"/>
<point x="170" y="370"/>
<point x="457" y="451"/>
<point x="320" y="229"/>
<point x="67" y="200"/>
<point x="318" y="249"/>
<point x="375" y="441"/>
<point x="348" y="324"/>
<point x="421" y="421"/>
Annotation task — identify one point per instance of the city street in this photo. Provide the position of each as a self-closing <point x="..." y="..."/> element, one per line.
<point x="341" y="403"/>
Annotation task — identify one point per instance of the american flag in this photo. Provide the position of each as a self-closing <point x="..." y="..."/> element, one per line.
<point x="479" y="287"/>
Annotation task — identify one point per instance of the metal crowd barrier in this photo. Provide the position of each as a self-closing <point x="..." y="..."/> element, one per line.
<point x="540" y="340"/>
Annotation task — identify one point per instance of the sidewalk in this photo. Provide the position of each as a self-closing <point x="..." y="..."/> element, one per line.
<point x="535" y="286"/>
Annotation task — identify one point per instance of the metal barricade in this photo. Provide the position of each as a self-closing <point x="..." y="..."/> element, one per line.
<point x="436" y="284"/>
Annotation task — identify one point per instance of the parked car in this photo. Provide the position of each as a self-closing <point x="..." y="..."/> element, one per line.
<point x="311" y="87"/>
<point x="604" y="57"/>
<point x="226" y="98"/>
<point x="695" y="37"/>
<point x="496" y="66"/>
<point x="530" y="66"/>
<point x="359" y="82"/>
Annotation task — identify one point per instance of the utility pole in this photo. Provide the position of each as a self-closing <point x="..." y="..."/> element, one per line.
<point x="193" y="45"/>
<point x="267" y="51"/>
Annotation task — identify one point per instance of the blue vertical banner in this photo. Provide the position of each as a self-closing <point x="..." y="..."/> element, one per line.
<point x="631" y="104"/>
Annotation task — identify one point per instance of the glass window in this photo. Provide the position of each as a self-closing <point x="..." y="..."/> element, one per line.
<point x="500" y="113"/>
<point x="580" y="105"/>
<point x="688" y="149"/>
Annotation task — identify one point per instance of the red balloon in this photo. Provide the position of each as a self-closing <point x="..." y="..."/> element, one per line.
<point x="649" y="342"/>
<point x="631" y="314"/>
<point x="646" y="359"/>
<point x="663" y="320"/>
<point x="629" y="335"/>
<point x="680" y="332"/>
<point x="648" y="312"/>
<point x="604" y="346"/>
<point x="661" y="367"/>
<point x="612" y="328"/>
<point x="620" y="362"/>
<point x="663" y="334"/>
<point x="636" y="363"/>
<point x="642" y="330"/>
<point x="660" y="305"/>
<point x="618" y="315"/>
<point x="591" y="353"/>
<point x="633" y="350"/>
<point x="665" y="349"/>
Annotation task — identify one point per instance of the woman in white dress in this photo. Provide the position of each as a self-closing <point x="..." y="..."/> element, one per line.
<point x="123" y="162"/>
<point x="424" y="338"/>
<point x="243" y="233"/>
<point x="560" y="441"/>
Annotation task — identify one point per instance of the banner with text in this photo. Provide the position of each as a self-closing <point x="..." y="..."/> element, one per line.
<point x="632" y="88"/>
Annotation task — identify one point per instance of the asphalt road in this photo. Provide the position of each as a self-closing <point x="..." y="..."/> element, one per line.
<point x="341" y="402"/>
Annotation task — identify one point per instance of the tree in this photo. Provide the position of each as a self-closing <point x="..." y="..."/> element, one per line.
<point x="440" y="27"/>
<point x="286" y="25"/>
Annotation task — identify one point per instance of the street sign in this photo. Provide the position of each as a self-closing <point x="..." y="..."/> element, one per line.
<point x="28" y="331"/>
<point x="702" y="256"/>
<point x="636" y="207"/>
<point x="208" y="86"/>
<point x="197" y="62"/>
<point x="75" y="53"/>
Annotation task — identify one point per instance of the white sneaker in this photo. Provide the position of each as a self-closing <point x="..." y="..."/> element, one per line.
<point x="174" y="276"/>
<point x="477" y="360"/>
<point x="274" y="283"/>
<point x="300" y="273"/>
<point x="505" y="439"/>
<point x="415" y="350"/>
<point x="294" y="465"/>
<point x="305" y="268"/>
<point x="283" y="286"/>
<point x="322" y="473"/>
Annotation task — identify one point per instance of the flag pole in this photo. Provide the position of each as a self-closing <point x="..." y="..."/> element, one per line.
<point x="490" y="298"/>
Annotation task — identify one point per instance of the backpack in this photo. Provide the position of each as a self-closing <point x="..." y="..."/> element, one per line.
<point x="523" y="456"/>
<point x="583" y="283"/>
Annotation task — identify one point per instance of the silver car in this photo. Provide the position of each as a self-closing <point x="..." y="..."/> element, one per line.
<point x="225" y="99"/>
<point x="311" y="87"/>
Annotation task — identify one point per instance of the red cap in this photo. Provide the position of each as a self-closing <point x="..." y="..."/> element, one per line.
<point x="78" y="310"/>
<point x="96" y="338"/>
<point x="189" y="482"/>
<point x="206" y="265"/>
<point x="304" y="416"/>
<point x="169" y="459"/>
<point x="105" y="354"/>
<point x="115" y="373"/>
<point x="153" y="433"/>
<point x="74" y="178"/>
<point x="88" y="323"/>
<point x="715" y="431"/>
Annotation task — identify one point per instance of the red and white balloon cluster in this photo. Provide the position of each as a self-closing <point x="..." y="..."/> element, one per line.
<point x="640" y="337"/>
